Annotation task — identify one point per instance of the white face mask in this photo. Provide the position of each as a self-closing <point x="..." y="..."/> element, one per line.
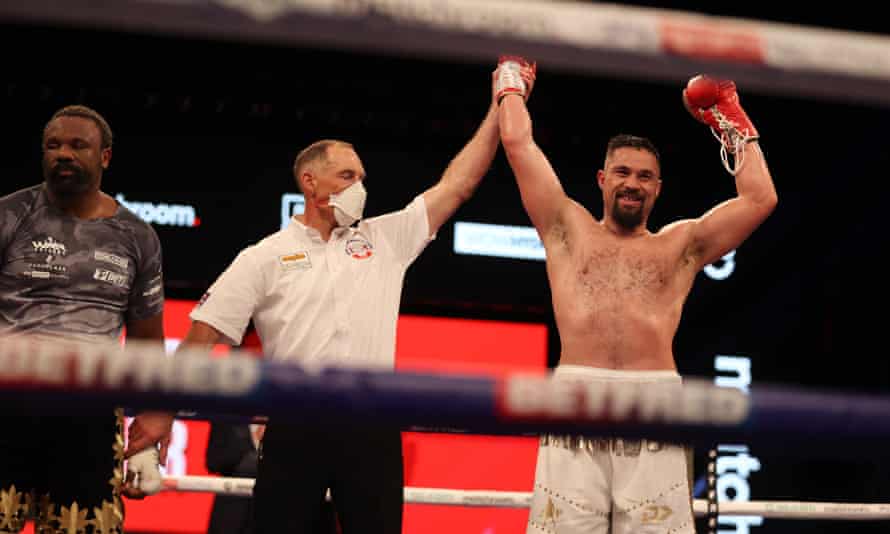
<point x="349" y="204"/>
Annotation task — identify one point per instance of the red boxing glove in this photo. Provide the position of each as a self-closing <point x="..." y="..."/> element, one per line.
<point x="509" y="81"/>
<point x="716" y="104"/>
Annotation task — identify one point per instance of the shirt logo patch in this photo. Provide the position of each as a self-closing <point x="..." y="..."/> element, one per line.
<point x="111" y="277"/>
<point x="154" y="290"/>
<point x="45" y="267"/>
<point x="297" y="260"/>
<point x="359" y="248"/>
<point x="50" y="247"/>
<point x="204" y="298"/>
<point x="114" y="259"/>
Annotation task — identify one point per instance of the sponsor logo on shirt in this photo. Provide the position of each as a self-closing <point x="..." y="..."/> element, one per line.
<point x="114" y="259"/>
<point x="37" y="274"/>
<point x="46" y="268"/>
<point x="111" y="277"/>
<point x="51" y="247"/>
<point x="297" y="260"/>
<point x="359" y="248"/>
<point x="154" y="290"/>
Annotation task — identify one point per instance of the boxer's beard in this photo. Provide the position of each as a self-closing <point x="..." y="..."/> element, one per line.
<point x="77" y="181"/>
<point x="629" y="218"/>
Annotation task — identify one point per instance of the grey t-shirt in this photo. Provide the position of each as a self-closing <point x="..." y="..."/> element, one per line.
<point x="61" y="275"/>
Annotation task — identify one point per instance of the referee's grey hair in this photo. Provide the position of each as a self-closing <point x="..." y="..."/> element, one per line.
<point x="317" y="151"/>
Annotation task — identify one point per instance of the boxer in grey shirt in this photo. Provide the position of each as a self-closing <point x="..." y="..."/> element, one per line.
<point x="78" y="278"/>
<point x="74" y="265"/>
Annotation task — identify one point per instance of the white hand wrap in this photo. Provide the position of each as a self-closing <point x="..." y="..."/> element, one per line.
<point x="508" y="81"/>
<point x="144" y="464"/>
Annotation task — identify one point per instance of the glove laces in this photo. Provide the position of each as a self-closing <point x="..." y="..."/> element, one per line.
<point x="732" y="142"/>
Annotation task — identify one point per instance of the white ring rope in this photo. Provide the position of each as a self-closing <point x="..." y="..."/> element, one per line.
<point x="520" y="499"/>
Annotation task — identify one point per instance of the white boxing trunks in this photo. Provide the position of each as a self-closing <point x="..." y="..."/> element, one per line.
<point x="611" y="485"/>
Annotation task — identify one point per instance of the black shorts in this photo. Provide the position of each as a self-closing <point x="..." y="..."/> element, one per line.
<point x="361" y="466"/>
<point x="62" y="472"/>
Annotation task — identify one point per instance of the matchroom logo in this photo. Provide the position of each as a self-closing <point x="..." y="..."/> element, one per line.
<point x="162" y="214"/>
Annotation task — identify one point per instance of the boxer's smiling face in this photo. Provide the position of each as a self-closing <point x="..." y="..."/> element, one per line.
<point x="630" y="183"/>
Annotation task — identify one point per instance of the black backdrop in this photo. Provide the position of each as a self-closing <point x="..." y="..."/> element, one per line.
<point x="216" y="125"/>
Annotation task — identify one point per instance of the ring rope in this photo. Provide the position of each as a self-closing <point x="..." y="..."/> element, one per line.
<point x="519" y="499"/>
<point x="144" y="377"/>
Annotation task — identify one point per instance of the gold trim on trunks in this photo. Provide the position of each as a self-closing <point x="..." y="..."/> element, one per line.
<point x="15" y="509"/>
<point x="107" y="519"/>
<point x="619" y="446"/>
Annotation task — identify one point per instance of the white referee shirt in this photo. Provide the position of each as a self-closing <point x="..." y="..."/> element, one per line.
<point x="333" y="303"/>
